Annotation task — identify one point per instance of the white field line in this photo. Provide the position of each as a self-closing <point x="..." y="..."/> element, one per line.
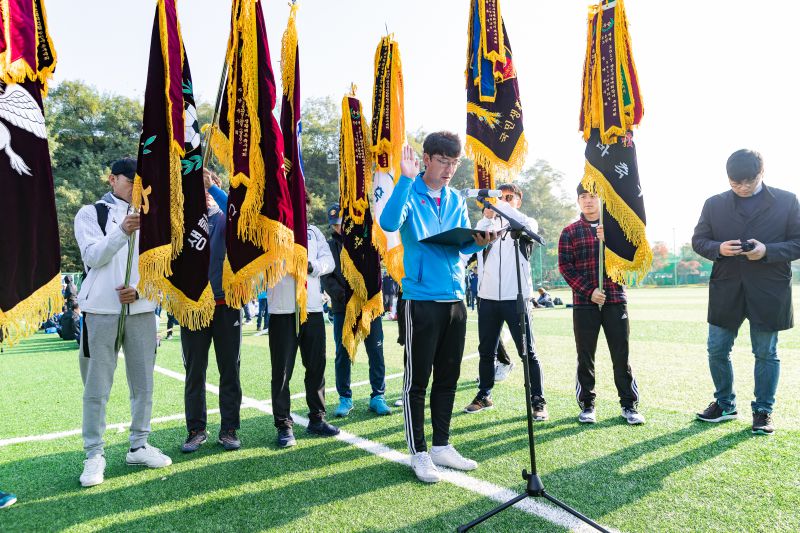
<point x="122" y="426"/>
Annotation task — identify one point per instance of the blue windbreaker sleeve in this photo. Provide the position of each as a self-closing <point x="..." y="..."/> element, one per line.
<point x="472" y="247"/>
<point x="396" y="210"/>
<point x="220" y="197"/>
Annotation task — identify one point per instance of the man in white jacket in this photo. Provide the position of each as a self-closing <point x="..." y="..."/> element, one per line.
<point x="102" y="232"/>
<point x="284" y="342"/>
<point x="497" y="293"/>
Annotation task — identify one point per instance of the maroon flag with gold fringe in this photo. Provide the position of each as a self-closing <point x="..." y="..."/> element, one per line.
<point x="611" y="107"/>
<point x="30" y="255"/>
<point x="174" y="250"/>
<point x="495" y="135"/>
<point x="249" y="143"/>
<point x="361" y="263"/>
<point x="293" y="161"/>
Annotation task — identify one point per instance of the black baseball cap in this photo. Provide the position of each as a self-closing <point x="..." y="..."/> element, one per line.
<point x="124" y="167"/>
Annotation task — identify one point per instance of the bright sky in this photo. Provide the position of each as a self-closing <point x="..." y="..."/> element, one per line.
<point x="715" y="75"/>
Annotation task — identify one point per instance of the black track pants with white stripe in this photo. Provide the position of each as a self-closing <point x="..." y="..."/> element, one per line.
<point x="434" y="343"/>
<point x="587" y="321"/>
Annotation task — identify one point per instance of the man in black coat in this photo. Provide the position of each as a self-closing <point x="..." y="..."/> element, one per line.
<point x="752" y="233"/>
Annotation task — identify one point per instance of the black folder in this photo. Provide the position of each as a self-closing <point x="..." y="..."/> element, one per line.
<point x="453" y="237"/>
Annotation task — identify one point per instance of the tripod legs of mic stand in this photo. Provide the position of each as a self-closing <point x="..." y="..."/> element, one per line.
<point x="534" y="489"/>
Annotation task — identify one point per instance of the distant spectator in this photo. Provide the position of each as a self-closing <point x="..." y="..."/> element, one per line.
<point x="544" y="299"/>
<point x="69" y="325"/>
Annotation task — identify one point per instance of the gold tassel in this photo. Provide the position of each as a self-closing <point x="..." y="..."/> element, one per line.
<point x="23" y="319"/>
<point x="504" y="170"/>
<point x="190" y="314"/>
<point x="632" y="227"/>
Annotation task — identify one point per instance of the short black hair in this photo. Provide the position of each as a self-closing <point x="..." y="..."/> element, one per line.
<point x="124" y="167"/>
<point x="444" y="143"/>
<point x="744" y="165"/>
<point x="513" y="187"/>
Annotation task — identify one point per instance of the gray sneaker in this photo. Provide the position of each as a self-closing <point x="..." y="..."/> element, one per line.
<point x="587" y="416"/>
<point x="193" y="442"/>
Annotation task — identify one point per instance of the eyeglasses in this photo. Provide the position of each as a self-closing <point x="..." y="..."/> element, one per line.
<point x="452" y="163"/>
<point x="509" y="197"/>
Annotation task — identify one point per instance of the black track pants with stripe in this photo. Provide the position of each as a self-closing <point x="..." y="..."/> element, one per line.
<point x="434" y="343"/>
<point x="587" y="321"/>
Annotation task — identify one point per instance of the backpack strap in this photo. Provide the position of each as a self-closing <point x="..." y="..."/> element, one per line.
<point x="102" y="215"/>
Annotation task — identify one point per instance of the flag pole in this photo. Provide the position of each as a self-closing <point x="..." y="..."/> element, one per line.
<point x="600" y="261"/>
<point x="215" y="118"/>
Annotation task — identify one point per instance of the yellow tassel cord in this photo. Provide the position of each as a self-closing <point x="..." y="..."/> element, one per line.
<point x="354" y="201"/>
<point x="298" y="267"/>
<point x="359" y="310"/>
<point x="619" y="269"/>
<point x="24" y="319"/>
<point x="592" y="80"/>
<point x="19" y="70"/>
<point x="392" y="258"/>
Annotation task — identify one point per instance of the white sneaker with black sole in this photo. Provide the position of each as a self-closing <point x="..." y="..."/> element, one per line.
<point x="148" y="456"/>
<point x="633" y="417"/>
<point x="93" y="471"/>
<point x="587" y="416"/>
<point x="423" y="467"/>
<point x="447" y="456"/>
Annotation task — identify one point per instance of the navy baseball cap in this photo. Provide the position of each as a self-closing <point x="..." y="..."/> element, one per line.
<point x="334" y="215"/>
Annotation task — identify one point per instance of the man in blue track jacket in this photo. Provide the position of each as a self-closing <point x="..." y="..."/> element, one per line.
<point x="433" y="287"/>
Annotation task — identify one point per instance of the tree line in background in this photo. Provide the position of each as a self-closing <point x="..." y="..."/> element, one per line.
<point x="88" y="130"/>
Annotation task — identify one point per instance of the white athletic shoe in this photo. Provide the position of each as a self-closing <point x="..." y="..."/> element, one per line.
<point x="502" y="371"/>
<point x="424" y="468"/>
<point x="148" y="456"/>
<point x="449" y="457"/>
<point x="587" y="416"/>
<point x="93" y="471"/>
<point x="398" y="402"/>
<point x="632" y="416"/>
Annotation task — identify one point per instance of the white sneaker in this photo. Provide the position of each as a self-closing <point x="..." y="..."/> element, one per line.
<point x="398" y="402"/>
<point x="424" y="468"/>
<point x="148" y="456"/>
<point x="632" y="416"/>
<point x="93" y="471"/>
<point x="449" y="457"/>
<point x="587" y="416"/>
<point x="502" y="371"/>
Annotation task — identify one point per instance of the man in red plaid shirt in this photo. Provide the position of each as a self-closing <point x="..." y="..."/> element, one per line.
<point x="578" y="251"/>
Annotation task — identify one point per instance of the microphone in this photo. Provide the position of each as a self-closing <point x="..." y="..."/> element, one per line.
<point x="486" y="193"/>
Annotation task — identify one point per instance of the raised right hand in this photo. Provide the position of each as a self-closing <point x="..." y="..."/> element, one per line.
<point x="130" y="223"/>
<point x="409" y="164"/>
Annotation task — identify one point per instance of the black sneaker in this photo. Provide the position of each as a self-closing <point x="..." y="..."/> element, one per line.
<point x="539" y="408"/>
<point x="195" y="439"/>
<point x="762" y="423"/>
<point x="286" y="438"/>
<point x="480" y="403"/>
<point x="715" y="413"/>
<point x="321" y="428"/>
<point x="229" y="440"/>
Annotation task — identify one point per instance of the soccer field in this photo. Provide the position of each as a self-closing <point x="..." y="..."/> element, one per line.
<point x="672" y="474"/>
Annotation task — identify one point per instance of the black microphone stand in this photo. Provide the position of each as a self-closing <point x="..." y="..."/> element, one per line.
<point x="535" y="487"/>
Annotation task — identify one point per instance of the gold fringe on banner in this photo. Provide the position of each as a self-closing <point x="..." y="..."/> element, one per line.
<point x="499" y="169"/>
<point x="25" y="318"/>
<point x="348" y="169"/>
<point x="299" y="265"/>
<point x="388" y="152"/>
<point x="618" y="268"/>
<point x="358" y="307"/>
<point x="190" y="314"/>
<point x="19" y="70"/>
